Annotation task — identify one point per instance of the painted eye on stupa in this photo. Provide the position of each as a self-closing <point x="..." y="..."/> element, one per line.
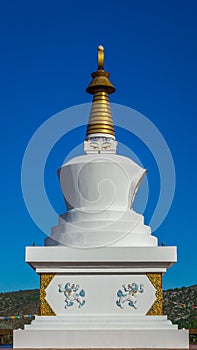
<point x="105" y="145"/>
<point x="94" y="145"/>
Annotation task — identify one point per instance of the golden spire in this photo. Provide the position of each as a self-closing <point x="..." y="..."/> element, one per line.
<point x="100" y="120"/>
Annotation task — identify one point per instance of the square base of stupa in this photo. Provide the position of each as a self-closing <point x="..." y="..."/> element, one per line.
<point x="144" y="332"/>
<point x="107" y="297"/>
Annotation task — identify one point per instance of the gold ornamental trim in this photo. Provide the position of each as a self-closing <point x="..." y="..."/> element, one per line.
<point x="97" y="120"/>
<point x="157" y="307"/>
<point x="45" y="308"/>
<point x="99" y="127"/>
<point x="100" y="131"/>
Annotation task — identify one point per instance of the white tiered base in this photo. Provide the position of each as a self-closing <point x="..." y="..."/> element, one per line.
<point x="101" y="332"/>
<point x="101" y="323"/>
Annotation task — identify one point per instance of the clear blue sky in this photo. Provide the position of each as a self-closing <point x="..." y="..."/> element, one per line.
<point x="48" y="50"/>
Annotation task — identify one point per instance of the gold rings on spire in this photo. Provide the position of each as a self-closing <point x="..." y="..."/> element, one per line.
<point x="100" y="120"/>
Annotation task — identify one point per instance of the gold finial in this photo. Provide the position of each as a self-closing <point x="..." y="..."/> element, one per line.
<point x="100" y="81"/>
<point x="100" y="120"/>
<point x="100" y="57"/>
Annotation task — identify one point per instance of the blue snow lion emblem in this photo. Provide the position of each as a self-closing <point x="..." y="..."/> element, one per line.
<point x="129" y="295"/>
<point x="72" y="294"/>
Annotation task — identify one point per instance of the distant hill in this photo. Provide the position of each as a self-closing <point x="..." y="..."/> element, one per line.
<point x="23" y="302"/>
<point x="178" y="306"/>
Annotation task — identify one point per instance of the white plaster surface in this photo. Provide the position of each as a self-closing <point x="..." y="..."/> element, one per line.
<point x="101" y="295"/>
<point x="120" y="258"/>
<point x="99" y="191"/>
<point x="100" y="181"/>
<point x="105" y="338"/>
<point x="98" y="321"/>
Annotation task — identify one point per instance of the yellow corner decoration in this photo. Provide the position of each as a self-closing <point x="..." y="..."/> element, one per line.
<point x="45" y="309"/>
<point x="157" y="307"/>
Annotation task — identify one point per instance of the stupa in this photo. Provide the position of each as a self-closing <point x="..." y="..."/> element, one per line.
<point x="101" y="268"/>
